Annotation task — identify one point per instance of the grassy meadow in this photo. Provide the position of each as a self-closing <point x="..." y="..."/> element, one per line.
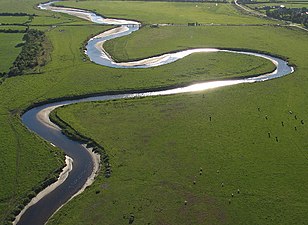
<point x="285" y="1"/>
<point x="168" y="12"/>
<point x="124" y="48"/>
<point x="157" y="145"/>
<point x="8" y="49"/>
<point x="26" y="160"/>
<point x="13" y="19"/>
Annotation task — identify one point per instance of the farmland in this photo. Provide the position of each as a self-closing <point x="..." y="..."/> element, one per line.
<point x="8" y="45"/>
<point x="157" y="145"/>
<point x="168" y="12"/>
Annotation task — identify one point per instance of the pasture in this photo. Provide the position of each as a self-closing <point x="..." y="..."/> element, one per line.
<point x="157" y="145"/>
<point x="168" y="12"/>
<point x="270" y="175"/>
<point x="8" y="49"/>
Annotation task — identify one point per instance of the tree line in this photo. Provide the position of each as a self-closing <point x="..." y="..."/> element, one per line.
<point x="197" y="1"/>
<point x="30" y="52"/>
<point x="11" y="31"/>
<point x="16" y="14"/>
<point x="294" y="15"/>
<point x="258" y="2"/>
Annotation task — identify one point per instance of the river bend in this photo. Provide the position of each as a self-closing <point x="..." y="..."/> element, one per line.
<point x="83" y="166"/>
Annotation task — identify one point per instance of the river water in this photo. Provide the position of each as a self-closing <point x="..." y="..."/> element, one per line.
<point x="83" y="164"/>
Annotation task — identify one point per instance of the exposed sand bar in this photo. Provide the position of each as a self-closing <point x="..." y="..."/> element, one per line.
<point x="91" y="178"/>
<point x="62" y="177"/>
<point x="43" y="117"/>
<point x="86" y="15"/>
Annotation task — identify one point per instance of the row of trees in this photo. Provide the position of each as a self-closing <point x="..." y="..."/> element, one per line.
<point x="31" y="50"/>
<point x="295" y="15"/>
<point x="31" y="16"/>
<point x="16" y="14"/>
<point x="16" y="24"/>
<point x="219" y="1"/>
<point x="258" y="1"/>
<point x="11" y="31"/>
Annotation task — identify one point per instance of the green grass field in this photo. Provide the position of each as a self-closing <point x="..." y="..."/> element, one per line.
<point x="157" y="146"/>
<point x="25" y="162"/>
<point x="13" y="27"/>
<point x="8" y="51"/>
<point x="67" y="75"/>
<point x="285" y="1"/>
<point x="168" y="12"/>
<point x="29" y="6"/>
<point x="56" y="19"/>
<point x="13" y="19"/>
<point x="140" y="44"/>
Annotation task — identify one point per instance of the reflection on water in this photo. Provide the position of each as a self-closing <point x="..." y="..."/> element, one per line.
<point x="83" y="165"/>
<point x="96" y="53"/>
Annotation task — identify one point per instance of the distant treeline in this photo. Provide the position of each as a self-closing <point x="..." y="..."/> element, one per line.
<point x="16" y="14"/>
<point x="258" y="2"/>
<point x="10" y="31"/>
<point x="212" y="1"/>
<point x="31" y="50"/>
<point x="17" y="24"/>
<point x="294" y="15"/>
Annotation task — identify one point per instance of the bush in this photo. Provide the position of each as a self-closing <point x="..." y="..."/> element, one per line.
<point x="31" y="49"/>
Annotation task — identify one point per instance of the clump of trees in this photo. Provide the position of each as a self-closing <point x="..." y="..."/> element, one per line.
<point x="2" y="74"/>
<point x="29" y="55"/>
<point x="295" y="15"/>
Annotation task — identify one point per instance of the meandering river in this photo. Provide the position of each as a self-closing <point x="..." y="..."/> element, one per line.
<point x="83" y="162"/>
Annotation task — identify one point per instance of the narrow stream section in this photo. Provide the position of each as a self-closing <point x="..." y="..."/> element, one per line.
<point x="84" y="163"/>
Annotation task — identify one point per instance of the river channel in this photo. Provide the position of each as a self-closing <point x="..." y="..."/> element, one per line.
<point x="83" y="163"/>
